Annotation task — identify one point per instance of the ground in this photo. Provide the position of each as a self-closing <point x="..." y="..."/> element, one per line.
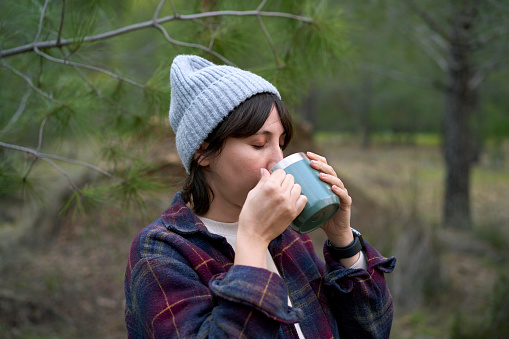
<point x="68" y="283"/>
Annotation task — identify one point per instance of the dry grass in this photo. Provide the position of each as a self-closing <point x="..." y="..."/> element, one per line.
<point x="70" y="283"/>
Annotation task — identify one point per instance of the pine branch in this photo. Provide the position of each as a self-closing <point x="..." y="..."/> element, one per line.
<point x="144" y="25"/>
<point x="45" y="156"/>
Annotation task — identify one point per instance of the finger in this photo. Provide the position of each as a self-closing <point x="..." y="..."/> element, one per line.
<point x="344" y="198"/>
<point x="301" y="203"/>
<point x="296" y="192"/>
<point x="278" y="176"/>
<point x="323" y="167"/>
<point x="288" y="182"/>
<point x="314" y="156"/>
<point x="332" y="180"/>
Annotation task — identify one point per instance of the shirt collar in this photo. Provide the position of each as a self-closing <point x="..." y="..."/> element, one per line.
<point x="180" y="219"/>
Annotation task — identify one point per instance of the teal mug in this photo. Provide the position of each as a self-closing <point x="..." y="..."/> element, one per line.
<point x="322" y="203"/>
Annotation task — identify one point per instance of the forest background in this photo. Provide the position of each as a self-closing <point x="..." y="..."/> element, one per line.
<point x="408" y="101"/>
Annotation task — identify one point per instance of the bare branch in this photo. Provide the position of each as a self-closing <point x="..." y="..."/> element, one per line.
<point x="260" y="6"/>
<point x="41" y="20"/>
<point x="428" y="19"/>
<point x="173" y="8"/>
<point x="41" y="129"/>
<point x="156" y="14"/>
<point x="89" y="67"/>
<point x="395" y="75"/>
<point x="187" y="44"/>
<point x="44" y="156"/>
<point x="278" y="61"/>
<point x="64" y="173"/>
<point x="429" y="49"/>
<point x="98" y="92"/>
<point x="19" y="111"/>
<point x="62" y="16"/>
<point x="146" y="24"/>
<point x="35" y="88"/>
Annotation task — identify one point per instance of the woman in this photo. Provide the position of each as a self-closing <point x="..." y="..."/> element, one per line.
<point x="222" y="261"/>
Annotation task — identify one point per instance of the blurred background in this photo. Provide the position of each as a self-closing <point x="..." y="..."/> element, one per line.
<point x="408" y="101"/>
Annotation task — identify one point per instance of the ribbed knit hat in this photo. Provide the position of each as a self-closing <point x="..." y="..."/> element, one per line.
<point x="202" y="95"/>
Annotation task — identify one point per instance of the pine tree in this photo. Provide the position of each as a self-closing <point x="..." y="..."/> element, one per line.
<point x="85" y="84"/>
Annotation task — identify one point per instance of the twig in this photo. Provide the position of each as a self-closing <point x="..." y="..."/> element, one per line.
<point x="41" y="129"/>
<point x="19" y="111"/>
<point x="428" y="19"/>
<point x="89" y="67"/>
<point x="99" y="94"/>
<point x="158" y="9"/>
<point x="44" y="156"/>
<point x="41" y="20"/>
<point x="269" y="39"/>
<point x="67" y="62"/>
<point x="187" y="44"/>
<point x="31" y="84"/>
<point x="395" y="75"/>
<point x="64" y="173"/>
<point x="62" y="16"/>
<point x="146" y="24"/>
<point x="173" y="8"/>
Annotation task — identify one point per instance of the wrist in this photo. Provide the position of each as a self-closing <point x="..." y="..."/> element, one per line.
<point x="341" y="239"/>
<point x="250" y="250"/>
<point x="349" y="250"/>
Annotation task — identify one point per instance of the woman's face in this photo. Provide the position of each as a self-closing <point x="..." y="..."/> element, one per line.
<point x="236" y="170"/>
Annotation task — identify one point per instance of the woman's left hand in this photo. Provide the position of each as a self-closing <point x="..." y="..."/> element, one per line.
<point x="338" y="227"/>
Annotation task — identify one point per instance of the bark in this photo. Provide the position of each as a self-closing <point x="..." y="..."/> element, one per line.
<point x="458" y="113"/>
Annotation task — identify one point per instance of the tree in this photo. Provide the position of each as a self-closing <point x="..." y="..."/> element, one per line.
<point x="467" y="42"/>
<point x="92" y="76"/>
<point x="450" y="48"/>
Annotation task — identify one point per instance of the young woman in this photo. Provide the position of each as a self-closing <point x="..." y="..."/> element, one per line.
<point x="222" y="262"/>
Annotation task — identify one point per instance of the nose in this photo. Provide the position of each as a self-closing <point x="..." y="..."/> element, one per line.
<point x="276" y="156"/>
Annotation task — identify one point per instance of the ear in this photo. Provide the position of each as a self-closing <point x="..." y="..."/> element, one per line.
<point x="203" y="161"/>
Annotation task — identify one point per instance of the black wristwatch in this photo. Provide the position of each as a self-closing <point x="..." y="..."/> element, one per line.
<point x="349" y="251"/>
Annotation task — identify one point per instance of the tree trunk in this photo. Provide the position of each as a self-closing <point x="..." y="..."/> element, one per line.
<point x="458" y="131"/>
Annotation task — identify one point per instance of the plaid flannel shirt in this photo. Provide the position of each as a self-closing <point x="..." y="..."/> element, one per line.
<point x="180" y="282"/>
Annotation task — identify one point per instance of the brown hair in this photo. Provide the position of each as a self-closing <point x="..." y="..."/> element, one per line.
<point x="244" y="121"/>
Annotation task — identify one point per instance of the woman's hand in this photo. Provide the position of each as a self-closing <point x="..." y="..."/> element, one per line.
<point x="338" y="227"/>
<point x="268" y="210"/>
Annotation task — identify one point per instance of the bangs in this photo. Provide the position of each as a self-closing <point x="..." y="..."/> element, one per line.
<point x="247" y="119"/>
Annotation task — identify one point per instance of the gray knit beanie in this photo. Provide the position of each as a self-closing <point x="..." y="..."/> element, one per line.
<point x="202" y="95"/>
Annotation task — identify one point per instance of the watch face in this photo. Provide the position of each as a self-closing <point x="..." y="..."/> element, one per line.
<point x="357" y="233"/>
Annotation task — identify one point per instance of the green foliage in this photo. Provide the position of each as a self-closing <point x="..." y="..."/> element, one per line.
<point x="96" y="101"/>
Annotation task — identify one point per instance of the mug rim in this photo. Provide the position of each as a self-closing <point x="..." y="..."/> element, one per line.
<point x="289" y="160"/>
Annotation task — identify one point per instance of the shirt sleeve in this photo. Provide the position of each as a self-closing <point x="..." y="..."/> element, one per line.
<point x="360" y="298"/>
<point x="167" y="298"/>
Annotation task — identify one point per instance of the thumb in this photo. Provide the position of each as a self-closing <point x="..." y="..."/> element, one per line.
<point x="264" y="175"/>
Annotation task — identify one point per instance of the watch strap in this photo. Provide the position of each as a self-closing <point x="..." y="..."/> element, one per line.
<point x="348" y="251"/>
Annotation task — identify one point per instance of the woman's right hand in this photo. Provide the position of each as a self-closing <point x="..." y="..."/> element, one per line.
<point x="268" y="210"/>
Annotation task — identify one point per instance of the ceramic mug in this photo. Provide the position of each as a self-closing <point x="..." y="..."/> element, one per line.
<point x="322" y="203"/>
